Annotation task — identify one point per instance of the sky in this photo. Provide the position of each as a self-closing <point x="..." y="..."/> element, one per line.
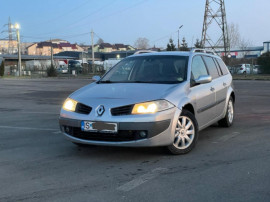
<point x="124" y="21"/>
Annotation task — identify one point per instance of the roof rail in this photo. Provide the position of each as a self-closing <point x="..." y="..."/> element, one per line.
<point x="144" y="51"/>
<point x="200" y="50"/>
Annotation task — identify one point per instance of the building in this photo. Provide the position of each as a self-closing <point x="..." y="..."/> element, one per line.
<point x="266" y="46"/>
<point x="13" y="49"/>
<point x="30" y="62"/>
<point x="85" y="47"/>
<point x="107" y="47"/>
<point x="8" y="48"/>
<point x="248" y="52"/>
<point x="44" y="48"/>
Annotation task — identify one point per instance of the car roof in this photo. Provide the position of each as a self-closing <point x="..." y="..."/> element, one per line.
<point x="174" y="53"/>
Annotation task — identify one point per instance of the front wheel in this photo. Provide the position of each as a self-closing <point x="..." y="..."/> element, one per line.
<point x="186" y="134"/>
<point x="227" y="121"/>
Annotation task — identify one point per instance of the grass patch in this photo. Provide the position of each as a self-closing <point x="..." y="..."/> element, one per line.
<point x="251" y="77"/>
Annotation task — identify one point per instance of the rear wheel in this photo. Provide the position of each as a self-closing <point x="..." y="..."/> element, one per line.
<point x="227" y="121"/>
<point x="186" y="134"/>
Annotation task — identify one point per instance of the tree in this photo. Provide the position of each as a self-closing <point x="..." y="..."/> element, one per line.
<point x="171" y="45"/>
<point x="142" y="43"/>
<point x="100" y="41"/>
<point x="243" y="45"/>
<point x="198" y="44"/>
<point x="234" y="35"/>
<point x="184" y="45"/>
<point x="264" y="61"/>
<point x="51" y="72"/>
<point x="2" y="69"/>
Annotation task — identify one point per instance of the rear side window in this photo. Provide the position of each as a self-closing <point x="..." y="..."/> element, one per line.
<point x="211" y="67"/>
<point x="222" y="66"/>
<point x="198" y="67"/>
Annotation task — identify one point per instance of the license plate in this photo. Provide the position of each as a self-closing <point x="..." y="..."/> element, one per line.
<point x="99" y="127"/>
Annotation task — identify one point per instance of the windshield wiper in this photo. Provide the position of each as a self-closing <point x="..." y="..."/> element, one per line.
<point x="106" y="81"/>
<point x="157" y="82"/>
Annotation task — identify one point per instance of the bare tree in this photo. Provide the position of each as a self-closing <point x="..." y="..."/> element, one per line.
<point x="142" y="43"/>
<point x="243" y="45"/>
<point x="100" y="41"/>
<point x="234" y="35"/>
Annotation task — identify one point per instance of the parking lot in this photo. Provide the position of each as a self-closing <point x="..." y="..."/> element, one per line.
<point x="38" y="164"/>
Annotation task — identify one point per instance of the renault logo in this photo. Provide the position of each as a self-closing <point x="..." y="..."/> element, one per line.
<point x="100" y="110"/>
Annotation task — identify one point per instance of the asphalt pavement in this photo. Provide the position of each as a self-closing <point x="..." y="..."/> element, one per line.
<point x="38" y="164"/>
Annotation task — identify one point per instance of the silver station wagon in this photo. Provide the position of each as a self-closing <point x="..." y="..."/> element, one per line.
<point x="152" y="99"/>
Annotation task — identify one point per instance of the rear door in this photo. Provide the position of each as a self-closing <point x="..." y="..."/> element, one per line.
<point x="224" y="84"/>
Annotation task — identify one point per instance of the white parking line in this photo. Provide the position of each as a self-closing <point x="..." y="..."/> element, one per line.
<point x="142" y="179"/>
<point x="27" y="128"/>
<point x="29" y="112"/>
<point x="227" y="137"/>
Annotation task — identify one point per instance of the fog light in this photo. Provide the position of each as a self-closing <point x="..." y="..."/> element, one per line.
<point x="62" y="128"/>
<point x="143" y="134"/>
<point x="67" y="129"/>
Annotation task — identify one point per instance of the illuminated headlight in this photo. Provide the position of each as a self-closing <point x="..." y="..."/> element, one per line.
<point x="70" y="105"/>
<point x="151" y="107"/>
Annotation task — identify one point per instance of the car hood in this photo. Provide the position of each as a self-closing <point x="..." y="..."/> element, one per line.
<point x="117" y="94"/>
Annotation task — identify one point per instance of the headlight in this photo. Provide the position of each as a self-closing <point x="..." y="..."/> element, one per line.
<point x="151" y="107"/>
<point x="70" y="105"/>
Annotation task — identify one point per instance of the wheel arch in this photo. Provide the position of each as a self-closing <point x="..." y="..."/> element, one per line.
<point x="189" y="107"/>
<point x="233" y="96"/>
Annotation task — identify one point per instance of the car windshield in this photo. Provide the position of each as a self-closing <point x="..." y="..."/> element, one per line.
<point x="74" y="63"/>
<point x="148" y="69"/>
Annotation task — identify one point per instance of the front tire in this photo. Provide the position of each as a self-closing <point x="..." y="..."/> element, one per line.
<point x="186" y="134"/>
<point x="227" y="121"/>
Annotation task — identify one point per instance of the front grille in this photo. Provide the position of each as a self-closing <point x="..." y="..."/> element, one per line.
<point x="122" y="135"/>
<point x="119" y="111"/>
<point x="83" y="109"/>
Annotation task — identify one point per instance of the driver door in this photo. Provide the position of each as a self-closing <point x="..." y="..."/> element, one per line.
<point x="203" y="94"/>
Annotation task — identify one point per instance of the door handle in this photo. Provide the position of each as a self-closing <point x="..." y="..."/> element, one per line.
<point x="212" y="89"/>
<point x="224" y="84"/>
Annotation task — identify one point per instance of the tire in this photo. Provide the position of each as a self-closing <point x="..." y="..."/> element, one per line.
<point x="186" y="134"/>
<point x="227" y="121"/>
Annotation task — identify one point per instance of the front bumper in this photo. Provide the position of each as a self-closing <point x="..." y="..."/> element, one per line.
<point x="160" y="131"/>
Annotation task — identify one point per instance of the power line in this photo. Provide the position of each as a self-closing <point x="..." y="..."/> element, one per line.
<point x="97" y="35"/>
<point x="161" y="38"/>
<point x="101" y="18"/>
<point x="63" y="36"/>
<point x="79" y="20"/>
<point x="62" y="14"/>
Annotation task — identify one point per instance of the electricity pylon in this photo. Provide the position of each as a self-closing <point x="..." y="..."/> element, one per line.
<point x="10" y="38"/>
<point x="215" y="13"/>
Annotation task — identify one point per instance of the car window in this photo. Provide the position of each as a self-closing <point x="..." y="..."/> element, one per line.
<point x="222" y="66"/>
<point x="198" y="67"/>
<point x="211" y="67"/>
<point x="218" y="67"/>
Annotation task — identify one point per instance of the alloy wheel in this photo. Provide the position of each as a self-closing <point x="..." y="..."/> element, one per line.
<point x="184" y="133"/>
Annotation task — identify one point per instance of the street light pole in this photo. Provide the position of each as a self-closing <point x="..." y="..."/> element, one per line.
<point x="17" y="27"/>
<point x="178" y="37"/>
<point x="93" y="53"/>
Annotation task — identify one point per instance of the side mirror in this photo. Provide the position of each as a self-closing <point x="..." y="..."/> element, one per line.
<point x="96" y="78"/>
<point x="203" y="79"/>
